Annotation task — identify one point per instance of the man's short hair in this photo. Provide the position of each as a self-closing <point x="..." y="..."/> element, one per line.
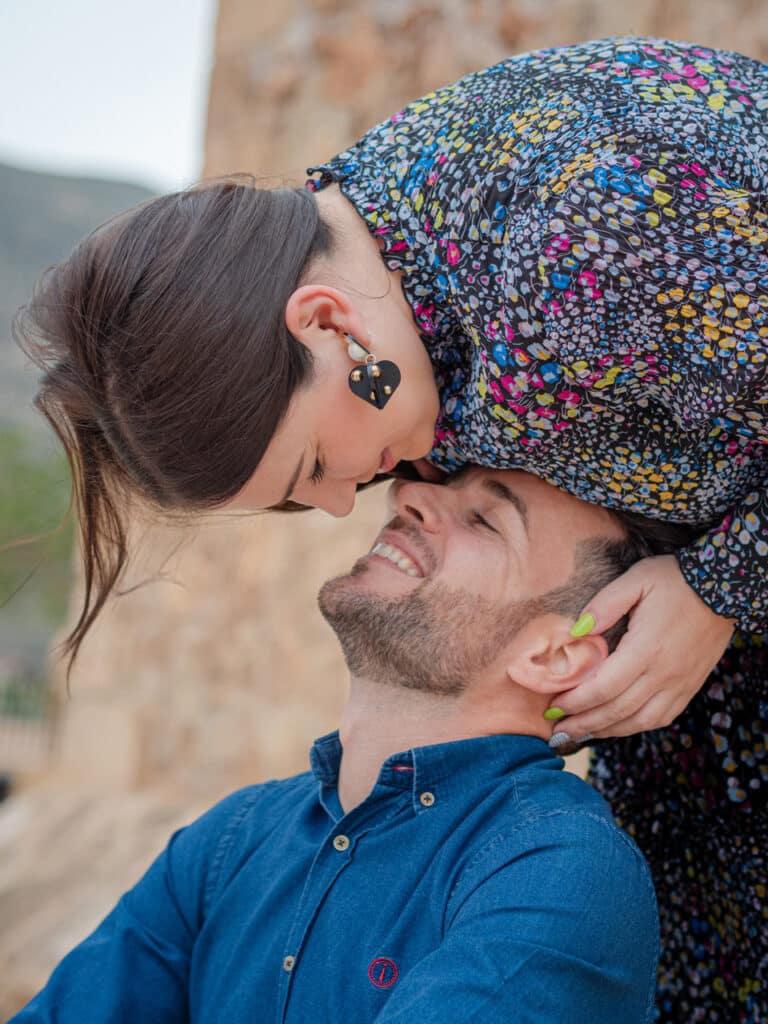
<point x="601" y="559"/>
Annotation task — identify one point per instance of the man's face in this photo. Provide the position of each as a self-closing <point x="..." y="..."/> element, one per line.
<point x="455" y="574"/>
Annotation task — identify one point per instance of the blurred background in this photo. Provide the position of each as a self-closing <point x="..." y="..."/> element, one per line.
<point x="218" y="671"/>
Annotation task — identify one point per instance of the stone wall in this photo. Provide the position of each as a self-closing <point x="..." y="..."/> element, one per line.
<point x="222" y="673"/>
<point x="297" y="80"/>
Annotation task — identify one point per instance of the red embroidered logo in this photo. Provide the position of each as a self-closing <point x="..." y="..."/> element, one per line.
<point x="383" y="972"/>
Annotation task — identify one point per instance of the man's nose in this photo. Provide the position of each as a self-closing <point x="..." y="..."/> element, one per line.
<point x="419" y="502"/>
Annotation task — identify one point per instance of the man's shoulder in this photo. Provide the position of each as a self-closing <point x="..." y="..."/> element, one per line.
<point x="548" y="786"/>
<point x="235" y="808"/>
<point x="562" y="800"/>
<point x="556" y="817"/>
<point x="557" y="841"/>
<point x="239" y="818"/>
<point x="554" y="878"/>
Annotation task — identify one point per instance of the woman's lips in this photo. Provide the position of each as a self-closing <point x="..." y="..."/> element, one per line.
<point x="428" y="472"/>
<point x="388" y="461"/>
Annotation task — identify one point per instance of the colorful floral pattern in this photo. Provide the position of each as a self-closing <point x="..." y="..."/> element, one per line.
<point x="583" y="238"/>
<point x="695" y="798"/>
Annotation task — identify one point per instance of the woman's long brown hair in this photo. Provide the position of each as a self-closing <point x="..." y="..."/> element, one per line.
<point x="167" y="365"/>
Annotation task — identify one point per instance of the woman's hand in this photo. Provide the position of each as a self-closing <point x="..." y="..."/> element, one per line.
<point x="672" y="643"/>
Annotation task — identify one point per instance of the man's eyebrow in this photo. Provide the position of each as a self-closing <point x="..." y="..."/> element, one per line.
<point x="500" y="490"/>
<point x="294" y="478"/>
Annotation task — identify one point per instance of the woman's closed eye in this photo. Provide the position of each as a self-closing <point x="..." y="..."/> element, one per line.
<point x="317" y="473"/>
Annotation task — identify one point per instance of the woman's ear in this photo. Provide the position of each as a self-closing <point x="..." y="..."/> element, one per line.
<point x="547" y="659"/>
<point x="315" y="310"/>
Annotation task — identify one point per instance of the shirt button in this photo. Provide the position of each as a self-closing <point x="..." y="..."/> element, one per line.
<point x="427" y="799"/>
<point x="288" y="963"/>
<point x="341" y="842"/>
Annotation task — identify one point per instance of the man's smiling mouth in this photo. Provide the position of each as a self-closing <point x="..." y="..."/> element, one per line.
<point x="397" y="557"/>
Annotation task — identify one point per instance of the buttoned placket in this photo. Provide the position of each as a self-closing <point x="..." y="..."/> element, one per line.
<point x="335" y="855"/>
<point x="425" y="786"/>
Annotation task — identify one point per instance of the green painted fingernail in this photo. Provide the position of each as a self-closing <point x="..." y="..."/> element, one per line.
<point x="584" y="625"/>
<point x="553" y="713"/>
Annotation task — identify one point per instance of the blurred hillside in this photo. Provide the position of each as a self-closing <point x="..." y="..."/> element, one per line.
<point x="41" y="217"/>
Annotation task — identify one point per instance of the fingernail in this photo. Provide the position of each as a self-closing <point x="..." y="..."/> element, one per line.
<point x="585" y="624"/>
<point x="559" y="739"/>
<point x="567" y="746"/>
<point x="552" y="714"/>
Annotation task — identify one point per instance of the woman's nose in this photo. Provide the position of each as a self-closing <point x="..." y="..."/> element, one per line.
<point x="418" y="501"/>
<point x="340" y="501"/>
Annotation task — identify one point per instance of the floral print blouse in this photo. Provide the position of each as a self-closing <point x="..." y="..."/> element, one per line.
<point x="583" y="237"/>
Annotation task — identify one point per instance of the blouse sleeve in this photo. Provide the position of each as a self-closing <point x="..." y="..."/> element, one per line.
<point x="651" y="285"/>
<point x="728" y="567"/>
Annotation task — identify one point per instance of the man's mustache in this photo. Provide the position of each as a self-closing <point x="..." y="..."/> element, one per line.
<point x="398" y="524"/>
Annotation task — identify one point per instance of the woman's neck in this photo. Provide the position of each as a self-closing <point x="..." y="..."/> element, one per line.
<point x="358" y="253"/>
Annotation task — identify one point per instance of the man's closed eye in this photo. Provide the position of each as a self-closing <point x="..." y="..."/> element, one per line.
<point x="480" y="520"/>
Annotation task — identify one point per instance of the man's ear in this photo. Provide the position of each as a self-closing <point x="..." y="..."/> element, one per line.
<point x="547" y="659"/>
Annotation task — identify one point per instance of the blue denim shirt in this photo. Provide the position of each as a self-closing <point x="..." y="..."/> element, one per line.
<point x="478" y="881"/>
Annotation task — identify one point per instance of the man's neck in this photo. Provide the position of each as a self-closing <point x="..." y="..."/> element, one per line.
<point x="379" y="721"/>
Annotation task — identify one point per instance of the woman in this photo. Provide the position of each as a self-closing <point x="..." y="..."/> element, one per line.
<point x="557" y="264"/>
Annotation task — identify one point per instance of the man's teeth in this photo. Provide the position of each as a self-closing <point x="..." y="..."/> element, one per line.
<point x="399" y="558"/>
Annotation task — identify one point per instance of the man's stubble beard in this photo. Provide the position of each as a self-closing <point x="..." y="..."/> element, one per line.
<point x="433" y="639"/>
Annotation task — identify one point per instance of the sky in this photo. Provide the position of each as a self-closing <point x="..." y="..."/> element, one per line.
<point x="106" y="89"/>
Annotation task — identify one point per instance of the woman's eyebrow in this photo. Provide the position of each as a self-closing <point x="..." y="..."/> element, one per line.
<point x="294" y="478"/>
<point x="501" y="490"/>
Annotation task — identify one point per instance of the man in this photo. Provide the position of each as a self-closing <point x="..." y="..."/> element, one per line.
<point x="436" y="864"/>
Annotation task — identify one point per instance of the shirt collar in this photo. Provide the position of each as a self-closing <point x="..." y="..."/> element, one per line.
<point x="447" y="766"/>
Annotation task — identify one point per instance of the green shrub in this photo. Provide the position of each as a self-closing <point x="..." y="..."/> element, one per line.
<point x="34" y="495"/>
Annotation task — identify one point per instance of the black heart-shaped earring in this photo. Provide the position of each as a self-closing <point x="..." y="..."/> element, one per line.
<point x="375" y="382"/>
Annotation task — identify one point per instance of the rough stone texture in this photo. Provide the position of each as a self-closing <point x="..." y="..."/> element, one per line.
<point x="188" y="689"/>
<point x="295" y="82"/>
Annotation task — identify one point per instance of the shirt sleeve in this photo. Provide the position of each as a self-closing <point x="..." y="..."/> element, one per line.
<point x="555" y="922"/>
<point x="134" y="966"/>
